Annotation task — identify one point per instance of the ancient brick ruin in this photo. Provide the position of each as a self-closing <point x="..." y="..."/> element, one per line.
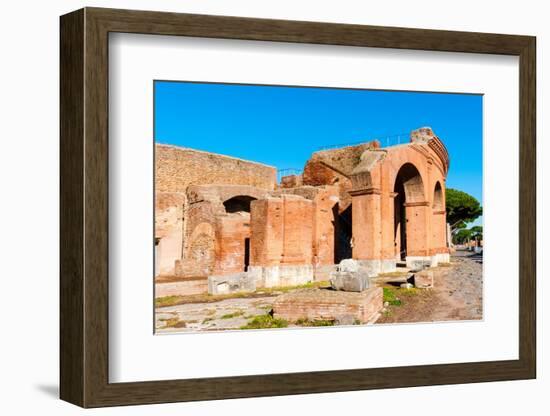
<point x="229" y="220"/>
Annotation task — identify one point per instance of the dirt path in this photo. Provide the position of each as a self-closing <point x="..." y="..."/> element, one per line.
<point x="456" y="295"/>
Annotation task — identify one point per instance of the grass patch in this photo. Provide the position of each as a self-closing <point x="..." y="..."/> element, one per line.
<point x="232" y="315"/>
<point x="174" y="323"/>
<point x="315" y="322"/>
<point x="206" y="320"/>
<point x="413" y="291"/>
<point x="285" y="289"/>
<point x="206" y="298"/>
<point x="166" y="301"/>
<point x="391" y="297"/>
<point x="265" y="321"/>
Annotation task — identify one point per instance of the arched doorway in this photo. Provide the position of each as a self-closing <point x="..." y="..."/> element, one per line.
<point x="408" y="194"/>
<point x="240" y="203"/>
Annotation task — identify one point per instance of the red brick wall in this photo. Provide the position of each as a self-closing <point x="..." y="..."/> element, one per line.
<point x="281" y="231"/>
<point x="232" y="231"/>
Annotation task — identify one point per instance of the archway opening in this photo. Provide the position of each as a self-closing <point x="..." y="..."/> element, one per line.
<point x="240" y="203"/>
<point x="408" y="188"/>
<point x="438" y="197"/>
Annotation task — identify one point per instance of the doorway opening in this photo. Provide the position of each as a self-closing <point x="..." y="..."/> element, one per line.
<point x="246" y="253"/>
<point x="342" y="233"/>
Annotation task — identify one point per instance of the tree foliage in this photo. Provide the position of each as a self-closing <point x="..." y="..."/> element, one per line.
<point x="464" y="235"/>
<point x="461" y="208"/>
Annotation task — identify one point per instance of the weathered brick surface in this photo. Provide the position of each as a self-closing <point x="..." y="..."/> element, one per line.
<point x="341" y="160"/>
<point x="177" y="168"/>
<point x="398" y="200"/>
<point x="317" y="304"/>
<point x="168" y="230"/>
<point x="282" y="231"/>
<point x="231" y="242"/>
<point x="181" y="288"/>
<point x="325" y="208"/>
<point x="370" y="203"/>
<point x="291" y="181"/>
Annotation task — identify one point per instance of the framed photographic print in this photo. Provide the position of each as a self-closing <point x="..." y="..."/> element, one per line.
<point x="256" y="207"/>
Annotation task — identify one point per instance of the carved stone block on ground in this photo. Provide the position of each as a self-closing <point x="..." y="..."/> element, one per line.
<point x="232" y="283"/>
<point x="424" y="279"/>
<point x="349" y="281"/>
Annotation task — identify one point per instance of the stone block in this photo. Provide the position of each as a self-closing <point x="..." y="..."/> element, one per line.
<point x="181" y="288"/>
<point x="349" y="281"/>
<point x="231" y="283"/>
<point x="349" y="265"/>
<point x="424" y="279"/>
<point x="418" y="263"/>
<point x="281" y="275"/>
<point x="322" y="273"/>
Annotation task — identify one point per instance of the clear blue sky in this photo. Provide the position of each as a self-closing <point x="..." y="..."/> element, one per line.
<point x="282" y="126"/>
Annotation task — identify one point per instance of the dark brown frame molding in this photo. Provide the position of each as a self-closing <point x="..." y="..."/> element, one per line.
<point x="84" y="208"/>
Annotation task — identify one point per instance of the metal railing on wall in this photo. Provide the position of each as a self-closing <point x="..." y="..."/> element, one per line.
<point x="287" y="172"/>
<point x="385" y="141"/>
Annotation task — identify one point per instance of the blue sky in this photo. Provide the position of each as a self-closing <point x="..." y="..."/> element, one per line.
<point x="282" y="126"/>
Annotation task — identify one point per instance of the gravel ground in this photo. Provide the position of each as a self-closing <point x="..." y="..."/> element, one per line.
<point x="456" y="295"/>
<point x="214" y="316"/>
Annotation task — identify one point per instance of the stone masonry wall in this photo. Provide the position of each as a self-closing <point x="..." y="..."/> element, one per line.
<point x="186" y="229"/>
<point x="177" y="168"/>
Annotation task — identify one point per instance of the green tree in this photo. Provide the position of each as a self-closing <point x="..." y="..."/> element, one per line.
<point x="461" y="208"/>
<point x="464" y="235"/>
<point x="477" y="233"/>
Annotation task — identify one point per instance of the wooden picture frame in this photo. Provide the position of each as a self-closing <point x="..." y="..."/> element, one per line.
<point x="84" y="207"/>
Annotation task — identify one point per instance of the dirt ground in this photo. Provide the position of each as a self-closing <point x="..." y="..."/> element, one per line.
<point x="456" y="295"/>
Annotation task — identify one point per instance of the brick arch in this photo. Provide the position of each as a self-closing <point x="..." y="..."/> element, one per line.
<point x="238" y="203"/>
<point x="438" y="201"/>
<point x="410" y="178"/>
